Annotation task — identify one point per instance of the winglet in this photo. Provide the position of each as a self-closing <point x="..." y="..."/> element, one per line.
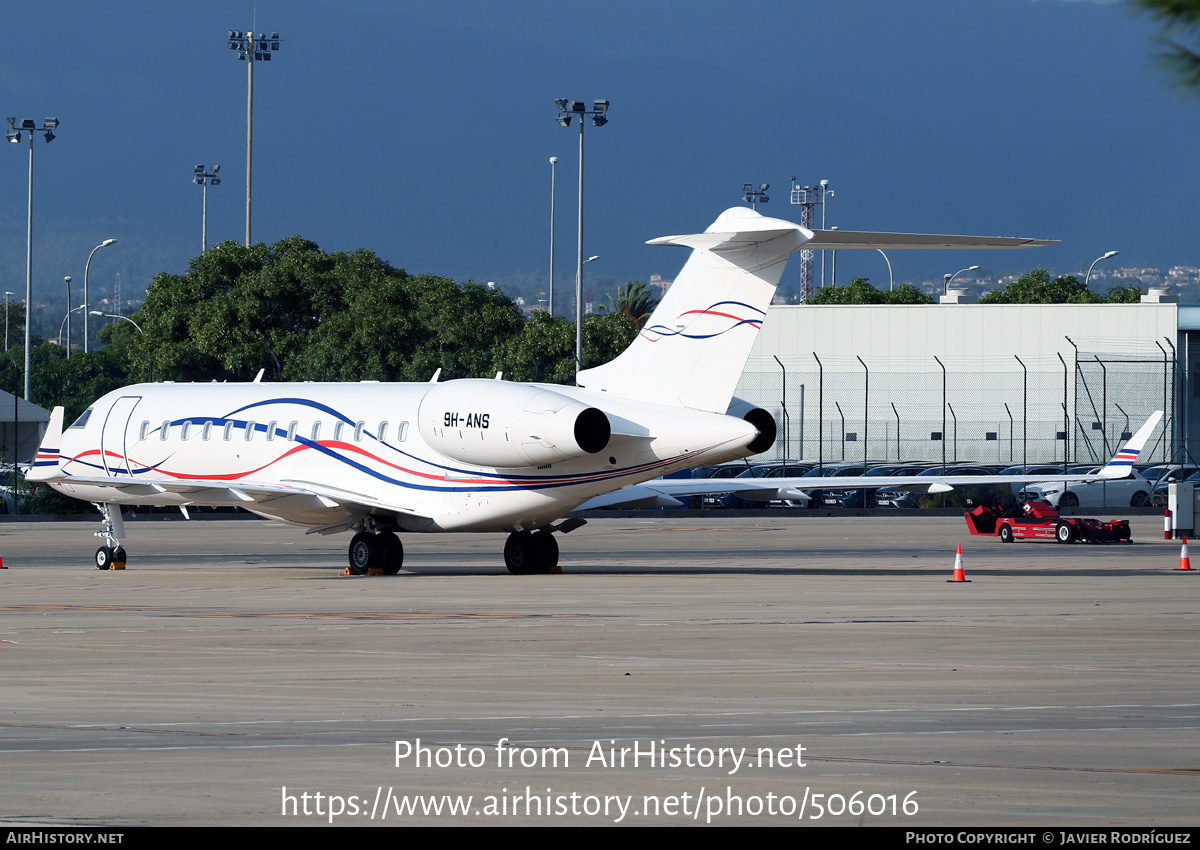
<point x="45" y="464"/>
<point x="1127" y="455"/>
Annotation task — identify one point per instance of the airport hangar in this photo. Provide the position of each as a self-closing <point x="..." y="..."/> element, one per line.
<point x="984" y="383"/>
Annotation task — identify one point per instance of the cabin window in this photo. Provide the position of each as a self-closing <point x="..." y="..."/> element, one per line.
<point x="187" y="430"/>
<point x="383" y="431"/>
<point x="403" y="432"/>
<point x="337" y="430"/>
<point x="165" y="430"/>
<point x="249" y="431"/>
<point x="291" y="434"/>
<point x="145" y="429"/>
<point x="228" y="431"/>
<point x="271" y="430"/>
<point x="316" y="431"/>
<point x="358" y="431"/>
<point x="207" y="432"/>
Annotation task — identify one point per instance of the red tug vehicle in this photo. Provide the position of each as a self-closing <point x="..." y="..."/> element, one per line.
<point x="1039" y="521"/>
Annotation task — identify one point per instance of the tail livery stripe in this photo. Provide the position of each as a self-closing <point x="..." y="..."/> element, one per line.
<point x="1124" y="459"/>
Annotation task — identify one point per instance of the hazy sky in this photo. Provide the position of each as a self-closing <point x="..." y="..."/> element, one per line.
<point x="422" y="130"/>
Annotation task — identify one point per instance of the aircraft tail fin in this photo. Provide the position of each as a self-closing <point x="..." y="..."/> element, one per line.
<point x="1127" y="455"/>
<point x="694" y="346"/>
<point x="45" y="463"/>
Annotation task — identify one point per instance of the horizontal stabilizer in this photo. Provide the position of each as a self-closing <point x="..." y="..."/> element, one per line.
<point x="870" y="240"/>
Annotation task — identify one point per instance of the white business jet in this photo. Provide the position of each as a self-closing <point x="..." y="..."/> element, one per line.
<point x="470" y="454"/>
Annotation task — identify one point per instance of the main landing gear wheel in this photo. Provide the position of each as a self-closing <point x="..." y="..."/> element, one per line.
<point x="528" y="553"/>
<point x="365" y="552"/>
<point x="1006" y="534"/>
<point x="393" y="552"/>
<point x="370" y="551"/>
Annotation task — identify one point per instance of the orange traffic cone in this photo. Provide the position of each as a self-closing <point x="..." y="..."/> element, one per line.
<point x="959" y="575"/>
<point x="1184" y="562"/>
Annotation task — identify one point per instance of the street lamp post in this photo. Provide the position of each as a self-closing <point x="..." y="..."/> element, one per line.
<point x="204" y="178"/>
<point x="251" y="49"/>
<point x="826" y="194"/>
<point x="553" y="163"/>
<point x="950" y="277"/>
<point x="115" y="316"/>
<point x="67" y="280"/>
<point x="567" y="109"/>
<point x="1107" y="256"/>
<point x="6" y="294"/>
<point x="67" y="322"/>
<point x="86" y="299"/>
<point x="891" y="277"/>
<point x="14" y="136"/>
<point x="591" y="259"/>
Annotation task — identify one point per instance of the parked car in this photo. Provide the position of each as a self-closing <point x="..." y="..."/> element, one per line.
<point x="1133" y="491"/>
<point x="768" y="470"/>
<point x="1158" y="496"/>
<point x="1041" y="469"/>
<point x="816" y="498"/>
<point x="899" y="497"/>
<point x="861" y="497"/>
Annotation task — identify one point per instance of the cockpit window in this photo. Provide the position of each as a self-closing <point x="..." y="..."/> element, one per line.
<point x="83" y="418"/>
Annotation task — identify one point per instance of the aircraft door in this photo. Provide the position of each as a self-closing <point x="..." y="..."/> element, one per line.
<point x="112" y="439"/>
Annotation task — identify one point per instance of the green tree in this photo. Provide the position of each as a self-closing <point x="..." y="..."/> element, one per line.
<point x="860" y="291"/>
<point x="1127" y="294"/>
<point x="303" y="314"/>
<point x="634" y="301"/>
<point x="1036" y="287"/>
<point x="1179" y="40"/>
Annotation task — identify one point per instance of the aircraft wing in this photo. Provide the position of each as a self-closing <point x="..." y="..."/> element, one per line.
<point x="666" y="492"/>
<point x="282" y="501"/>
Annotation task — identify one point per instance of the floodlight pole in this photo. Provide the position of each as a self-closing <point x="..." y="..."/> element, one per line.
<point x="553" y="163"/>
<point x="14" y="136"/>
<point x="202" y="176"/>
<point x="29" y="280"/>
<point x="86" y="300"/>
<point x="579" y="265"/>
<point x="752" y="197"/>
<point x="251" y="49"/>
<point x="567" y="110"/>
<point x="249" y="135"/>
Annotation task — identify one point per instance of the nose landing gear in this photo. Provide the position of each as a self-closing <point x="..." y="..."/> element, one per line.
<point x="112" y="555"/>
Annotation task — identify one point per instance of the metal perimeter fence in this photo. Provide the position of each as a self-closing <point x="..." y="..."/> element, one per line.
<point x="1018" y="410"/>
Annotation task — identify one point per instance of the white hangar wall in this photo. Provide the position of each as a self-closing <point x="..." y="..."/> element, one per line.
<point x="968" y="382"/>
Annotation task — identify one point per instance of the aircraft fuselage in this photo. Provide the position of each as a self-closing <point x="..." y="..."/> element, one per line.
<point x="406" y="448"/>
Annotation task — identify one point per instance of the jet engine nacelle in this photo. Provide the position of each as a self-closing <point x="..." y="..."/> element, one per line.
<point x="505" y="425"/>
<point x="759" y="418"/>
